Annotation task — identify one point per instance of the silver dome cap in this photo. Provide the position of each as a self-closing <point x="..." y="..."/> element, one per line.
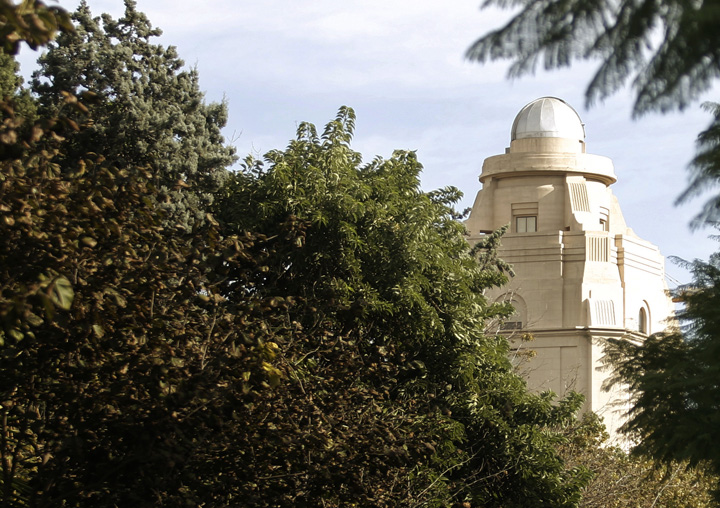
<point x="548" y="117"/>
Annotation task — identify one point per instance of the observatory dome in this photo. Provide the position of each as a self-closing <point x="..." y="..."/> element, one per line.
<point x="548" y="117"/>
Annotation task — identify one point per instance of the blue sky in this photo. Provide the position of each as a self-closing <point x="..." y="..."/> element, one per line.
<point x="400" y="64"/>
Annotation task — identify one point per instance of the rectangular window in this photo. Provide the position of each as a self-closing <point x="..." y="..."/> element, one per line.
<point x="511" y="325"/>
<point x="524" y="217"/>
<point x="526" y="224"/>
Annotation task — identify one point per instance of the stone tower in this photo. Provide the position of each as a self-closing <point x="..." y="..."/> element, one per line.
<point x="582" y="275"/>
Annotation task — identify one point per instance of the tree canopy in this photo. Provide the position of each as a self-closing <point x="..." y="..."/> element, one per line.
<point x="149" y="111"/>
<point x="153" y="365"/>
<point x="119" y="363"/>
<point x="121" y="360"/>
<point x="320" y="341"/>
<point x="383" y="269"/>
<point x="673" y="376"/>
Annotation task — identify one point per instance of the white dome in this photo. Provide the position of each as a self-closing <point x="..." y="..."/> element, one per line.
<point x="548" y="117"/>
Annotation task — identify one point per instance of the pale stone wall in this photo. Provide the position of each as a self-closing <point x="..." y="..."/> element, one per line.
<point x="582" y="275"/>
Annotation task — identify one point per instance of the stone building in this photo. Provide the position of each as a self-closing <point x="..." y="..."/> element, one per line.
<point x="582" y="274"/>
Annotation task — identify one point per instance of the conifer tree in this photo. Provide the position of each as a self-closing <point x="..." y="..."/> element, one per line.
<point x="674" y="377"/>
<point x="150" y="111"/>
<point x="19" y="100"/>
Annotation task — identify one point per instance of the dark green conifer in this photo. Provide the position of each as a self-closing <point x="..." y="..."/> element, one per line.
<point x="150" y="111"/>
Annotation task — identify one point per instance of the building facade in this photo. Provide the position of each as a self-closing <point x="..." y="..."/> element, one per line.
<point x="581" y="274"/>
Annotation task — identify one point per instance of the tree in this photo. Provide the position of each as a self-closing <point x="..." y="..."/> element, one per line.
<point x="322" y="344"/>
<point x="621" y="480"/>
<point x="397" y="397"/>
<point x="122" y="365"/>
<point x="672" y="376"/>
<point x="151" y="365"/>
<point x="151" y="113"/>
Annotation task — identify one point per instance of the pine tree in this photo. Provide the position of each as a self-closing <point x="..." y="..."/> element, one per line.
<point x="19" y="100"/>
<point x="674" y="377"/>
<point x="150" y="112"/>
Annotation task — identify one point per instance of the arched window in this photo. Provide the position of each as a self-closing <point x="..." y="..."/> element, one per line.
<point x="643" y="321"/>
<point x="518" y="320"/>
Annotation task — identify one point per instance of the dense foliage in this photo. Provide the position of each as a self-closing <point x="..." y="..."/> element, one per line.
<point x="121" y="362"/>
<point x="384" y="273"/>
<point x="151" y="365"/>
<point x="321" y="343"/>
<point x="625" y="481"/>
<point x="151" y="113"/>
<point x="674" y="376"/>
<point x="311" y="334"/>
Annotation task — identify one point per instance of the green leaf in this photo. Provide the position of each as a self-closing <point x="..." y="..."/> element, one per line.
<point x="62" y="293"/>
<point x="88" y="241"/>
<point x="34" y="319"/>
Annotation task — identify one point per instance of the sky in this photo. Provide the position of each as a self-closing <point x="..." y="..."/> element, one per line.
<point x="400" y="65"/>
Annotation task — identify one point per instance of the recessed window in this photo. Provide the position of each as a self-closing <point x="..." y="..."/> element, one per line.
<point x="642" y="321"/>
<point x="524" y="217"/>
<point x="526" y="224"/>
<point x="511" y="325"/>
<point x="518" y="320"/>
